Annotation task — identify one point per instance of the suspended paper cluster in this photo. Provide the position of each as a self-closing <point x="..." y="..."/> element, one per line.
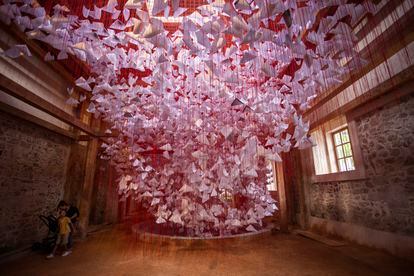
<point x="197" y="113"/>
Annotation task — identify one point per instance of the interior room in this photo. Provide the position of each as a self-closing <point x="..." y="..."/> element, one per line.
<point x="202" y="137"/>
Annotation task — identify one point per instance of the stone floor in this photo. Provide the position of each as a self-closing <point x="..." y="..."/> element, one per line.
<point x="116" y="252"/>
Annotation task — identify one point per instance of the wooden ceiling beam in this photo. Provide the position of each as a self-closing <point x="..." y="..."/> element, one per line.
<point x="374" y="21"/>
<point x="396" y="87"/>
<point x="16" y="90"/>
<point x="36" y="49"/>
<point x="33" y="119"/>
<point x="376" y="53"/>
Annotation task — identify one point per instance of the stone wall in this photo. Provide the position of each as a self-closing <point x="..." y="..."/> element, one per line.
<point x="385" y="199"/>
<point x="33" y="163"/>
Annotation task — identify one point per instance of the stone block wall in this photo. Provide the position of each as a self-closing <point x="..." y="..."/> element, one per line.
<point x="385" y="199"/>
<point x="33" y="163"/>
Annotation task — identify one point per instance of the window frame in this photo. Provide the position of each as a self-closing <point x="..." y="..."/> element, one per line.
<point x="335" y="146"/>
<point x="358" y="173"/>
<point x="273" y="186"/>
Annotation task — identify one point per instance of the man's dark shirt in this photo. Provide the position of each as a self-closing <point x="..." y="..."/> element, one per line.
<point x="71" y="211"/>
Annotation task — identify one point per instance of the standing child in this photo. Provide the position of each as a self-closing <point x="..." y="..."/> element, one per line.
<point x="73" y="214"/>
<point x="65" y="227"/>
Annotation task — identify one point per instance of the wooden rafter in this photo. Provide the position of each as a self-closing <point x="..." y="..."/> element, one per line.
<point x="398" y="85"/>
<point x="16" y="90"/>
<point x="33" y="119"/>
<point x="398" y="38"/>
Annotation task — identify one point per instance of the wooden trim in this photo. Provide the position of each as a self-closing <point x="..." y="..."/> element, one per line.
<point x="37" y="49"/>
<point x="274" y="176"/>
<point x="16" y="90"/>
<point x="356" y="149"/>
<point x="398" y="85"/>
<point x="398" y="40"/>
<point x="335" y="146"/>
<point x="358" y="173"/>
<point x="375" y="20"/>
<point x="308" y="169"/>
<point x="87" y="187"/>
<point x="326" y="148"/>
<point x="111" y="210"/>
<point x="339" y="176"/>
<point x="282" y="197"/>
<point x="33" y="119"/>
<point x="84" y="138"/>
<point x="332" y="134"/>
<point x="398" y="92"/>
<point x="330" y="147"/>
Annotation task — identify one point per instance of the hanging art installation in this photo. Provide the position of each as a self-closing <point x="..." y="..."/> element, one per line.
<point x="198" y="99"/>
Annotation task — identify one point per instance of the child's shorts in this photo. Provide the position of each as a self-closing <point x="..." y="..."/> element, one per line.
<point x="62" y="239"/>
